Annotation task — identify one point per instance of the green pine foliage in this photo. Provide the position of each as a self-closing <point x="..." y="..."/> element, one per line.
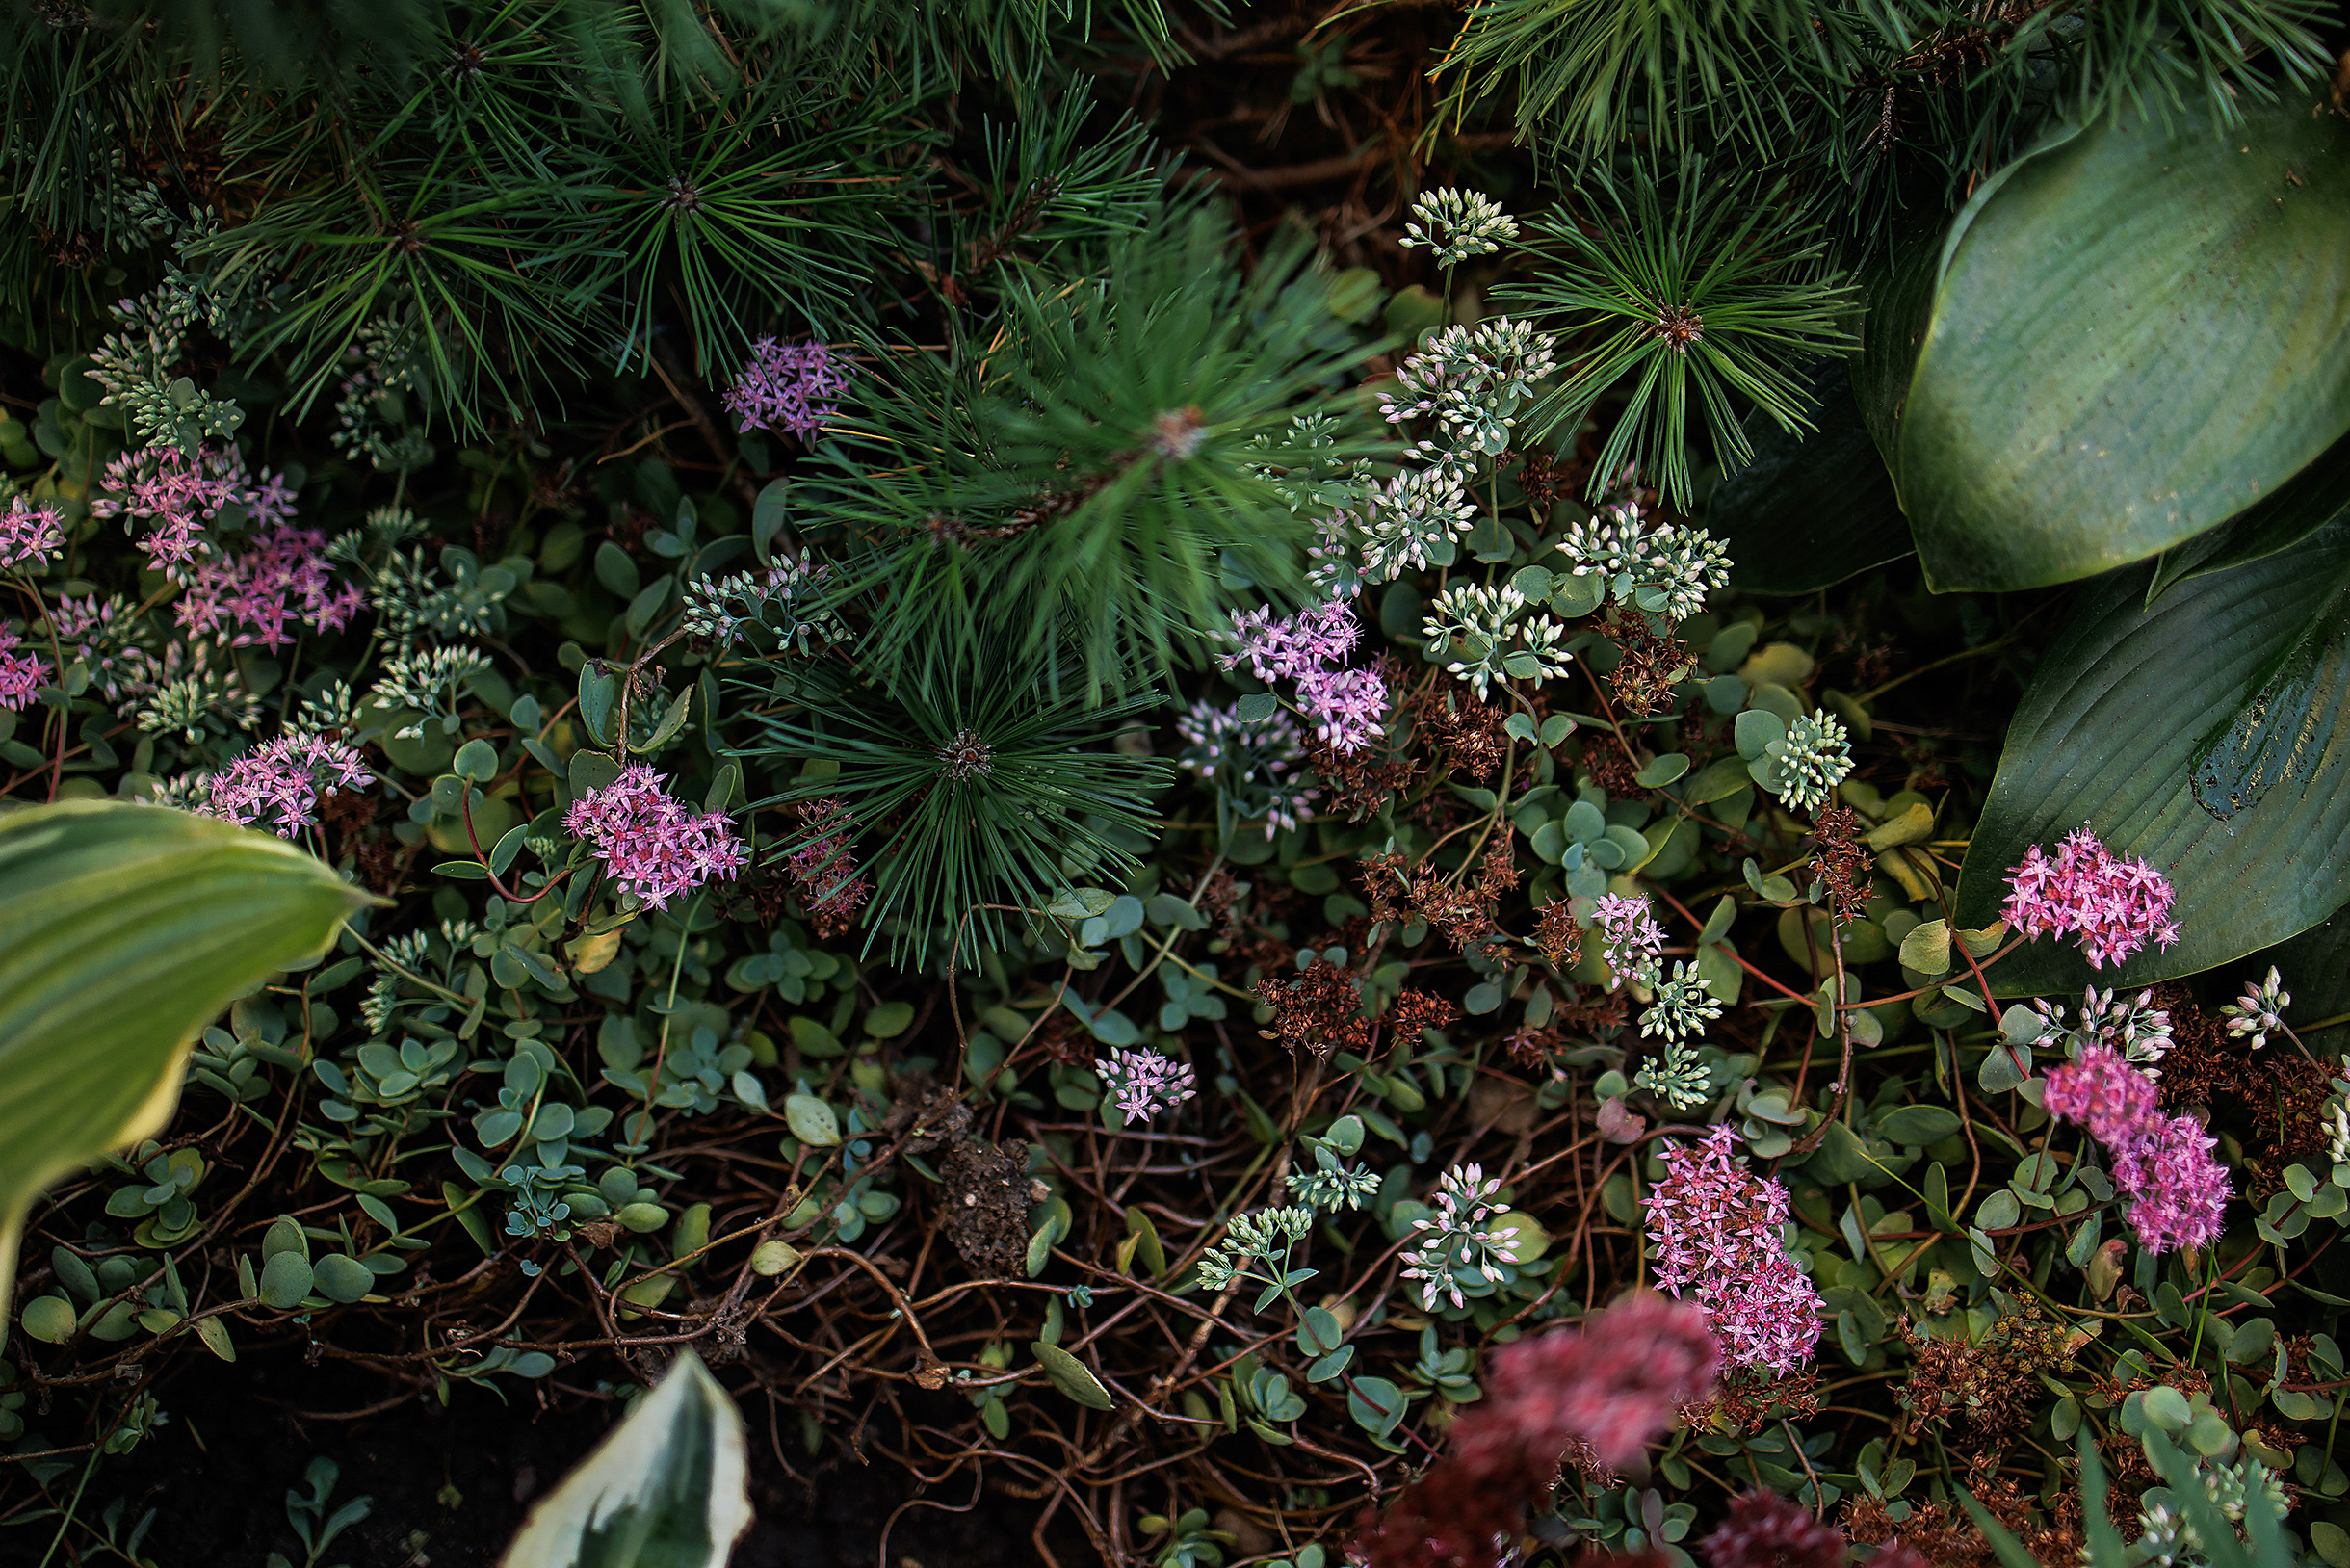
<point x="523" y="195"/>
<point x="1695" y="292"/>
<point x="1854" y="81"/>
<point x="980" y="795"/>
<point x="1830" y="134"/>
<point x="1104" y="462"/>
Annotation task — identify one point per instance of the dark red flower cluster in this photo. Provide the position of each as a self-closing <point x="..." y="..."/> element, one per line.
<point x="1767" y="1531"/>
<point x="1614" y="1386"/>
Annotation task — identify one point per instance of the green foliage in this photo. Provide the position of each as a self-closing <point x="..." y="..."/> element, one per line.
<point x="2130" y="338"/>
<point x="1587" y="76"/>
<point x="1810" y="509"/>
<point x="2238" y="793"/>
<point x="2259" y="1543"/>
<point x="983" y="791"/>
<point x="1698" y="294"/>
<point x="97" y="893"/>
<point x="524" y="208"/>
<point x="1195" y="1115"/>
<point x="1874" y="92"/>
<point x="309" y="1518"/>
<point x="1105" y="462"/>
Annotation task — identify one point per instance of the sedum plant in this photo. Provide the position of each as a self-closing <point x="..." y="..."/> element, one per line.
<point x="1090" y="846"/>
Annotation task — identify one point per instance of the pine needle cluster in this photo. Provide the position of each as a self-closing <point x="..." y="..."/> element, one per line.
<point x="1106" y="462"/>
<point x="980" y="795"/>
<point x="1828" y="132"/>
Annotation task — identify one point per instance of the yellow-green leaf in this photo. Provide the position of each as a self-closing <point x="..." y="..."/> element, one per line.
<point x="123" y="931"/>
<point x="1072" y="1376"/>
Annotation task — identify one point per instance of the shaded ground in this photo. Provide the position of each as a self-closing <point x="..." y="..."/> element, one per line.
<point x="449" y="1486"/>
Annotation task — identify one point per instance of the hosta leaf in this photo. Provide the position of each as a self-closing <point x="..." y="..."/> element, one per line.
<point x="664" y="1490"/>
<point x="123" y="931"/>
<point x="1811" y="507"/>
<point x="2134" y="335"/>
<point x="2304" y="503"/>
<point x="2199" y="735"/>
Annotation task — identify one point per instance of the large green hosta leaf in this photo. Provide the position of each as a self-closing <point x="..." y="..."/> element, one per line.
<point x="2297" y="509"/>
<point x="2205" y="734"/>
<point x="2134" y="337"/>
<point x="123" y="931"/>
<point x="664" y="1490"/>
<point x="1813" y="507"/>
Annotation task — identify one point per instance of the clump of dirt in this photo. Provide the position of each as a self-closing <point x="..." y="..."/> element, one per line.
<point x="988" y="1195"/>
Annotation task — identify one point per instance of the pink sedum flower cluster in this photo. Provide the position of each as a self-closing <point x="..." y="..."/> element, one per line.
<point x="1348" y="708"/>
<point x="1276" y="649"/>
<point x="176" y="495"/>
<point x="1145" y="1082"/>
<point x="2114" y="906"/>
<point x="1606" y="1392"/>
<point x="1715" y="1225"/>
<point x="249" y="599"/>
<point x="279" y="783"/>
<point x="20" y="673"/>
<point x="794" y="388"/>
<point x="30" y="536"/>
<point x="655" y="845"/>
<point x="2162" y="1163"/>
<point x="1635" y="942"/>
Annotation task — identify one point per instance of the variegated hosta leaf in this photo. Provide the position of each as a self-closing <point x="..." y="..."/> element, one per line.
<point x="664" y="1490"/>
<point x="123" y="931"/>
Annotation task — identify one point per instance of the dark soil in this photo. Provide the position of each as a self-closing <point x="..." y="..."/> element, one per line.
<point x="450" y="1486"/>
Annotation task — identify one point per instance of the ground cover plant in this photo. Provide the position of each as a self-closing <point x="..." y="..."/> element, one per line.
<point x="1540" y="782"/>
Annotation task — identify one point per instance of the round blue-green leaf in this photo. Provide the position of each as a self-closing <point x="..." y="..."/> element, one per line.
<point x="888" y="1019"/>
<point x="2199" y="735"/>
<point x="123" y="931"/>
<point x="477" y="760"/>
<point x="811" y="1120"/>
<point x="341" y="1277"/>
<point x="643" y="1217"/>
<point x="1917" y="1124"/>
<point x="2135" y="333"/>
<point x="1663" y="769"/>
<point x="1376" y="1404"/>
<point x="285" y="1279"/>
